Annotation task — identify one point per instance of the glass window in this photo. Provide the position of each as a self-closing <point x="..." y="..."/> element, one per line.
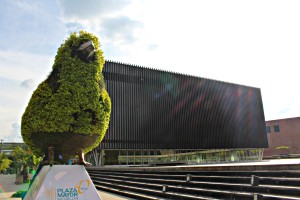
<point x="276" y="128"/>
<point x="268" y="129"/>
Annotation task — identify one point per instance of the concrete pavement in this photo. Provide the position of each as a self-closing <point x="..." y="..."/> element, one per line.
<point x="8" y="187"/>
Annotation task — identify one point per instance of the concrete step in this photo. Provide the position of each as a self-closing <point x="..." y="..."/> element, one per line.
<point x="266" y="173"/>
<point x="202" y="193"/>
<point x="110" y="188"/>
<point x="236" y="187"/>
<point x="203" y="185"/>
<point x="225" y="179"/>
<point x="141" y="193"/>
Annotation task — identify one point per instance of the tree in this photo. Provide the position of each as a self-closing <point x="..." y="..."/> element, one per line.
<point x="4" y="162"/>
<point x="23" y="161"/>
<point x="70" y="110"/>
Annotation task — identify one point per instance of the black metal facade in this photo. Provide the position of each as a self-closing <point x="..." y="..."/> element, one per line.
<point x="153" y="109"/>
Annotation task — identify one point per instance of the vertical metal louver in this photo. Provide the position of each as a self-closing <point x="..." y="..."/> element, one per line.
<point x="153" y="109"/>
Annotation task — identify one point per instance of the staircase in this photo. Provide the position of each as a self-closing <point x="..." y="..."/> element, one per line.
<point x="196" y="184"/>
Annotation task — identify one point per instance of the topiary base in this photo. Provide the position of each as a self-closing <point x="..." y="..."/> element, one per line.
<point x="65" y="145"/>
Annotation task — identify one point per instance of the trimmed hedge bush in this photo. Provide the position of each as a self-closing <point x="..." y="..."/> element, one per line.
<point x="71" y="101"/>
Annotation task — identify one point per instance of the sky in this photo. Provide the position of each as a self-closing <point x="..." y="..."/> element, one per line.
<point x="254" y="43"/>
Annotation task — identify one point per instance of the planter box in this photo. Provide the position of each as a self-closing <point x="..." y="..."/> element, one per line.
<point x="19" y="179"/>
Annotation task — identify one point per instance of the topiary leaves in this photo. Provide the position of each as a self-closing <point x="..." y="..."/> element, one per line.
<point x="72" y="99"/>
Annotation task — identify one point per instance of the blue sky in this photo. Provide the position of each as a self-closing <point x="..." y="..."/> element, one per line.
<point x="254" y="43"/>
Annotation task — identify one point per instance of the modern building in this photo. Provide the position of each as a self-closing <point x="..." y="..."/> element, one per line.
<point x="283" y="137"/>
<point x="7" y="147"/>
<point x="160" y="116"/>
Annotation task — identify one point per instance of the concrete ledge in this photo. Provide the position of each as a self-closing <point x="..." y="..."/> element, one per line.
<point x="281" y="164"/>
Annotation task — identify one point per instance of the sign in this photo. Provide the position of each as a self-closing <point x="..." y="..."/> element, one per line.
<point x="62" y="182"/>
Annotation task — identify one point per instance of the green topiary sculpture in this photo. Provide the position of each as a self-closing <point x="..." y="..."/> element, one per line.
<point x="70" y="110"/>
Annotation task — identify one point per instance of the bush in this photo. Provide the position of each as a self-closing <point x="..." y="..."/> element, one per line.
<point x="19" y="194"/>
<point x="4" y="162"/>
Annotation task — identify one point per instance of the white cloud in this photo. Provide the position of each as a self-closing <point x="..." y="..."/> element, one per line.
<point x="253" y="43"/>
<point x="101" y="17"/>
<point x="28" y="83"/>
<point x="78" y="10"/>
<point x="12" y="115"/>
<point x="88" y="15"/>
<point x="21" y="65"/>
<point x="30" y="26"/>
<point x="15" y="134"/>
<point x="152" y="47"/>
<point x="17" y="70"/>
<point x="119" y="30"/>
<point x="74" y="27"/>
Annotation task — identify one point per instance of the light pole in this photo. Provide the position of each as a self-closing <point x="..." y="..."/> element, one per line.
<point x="1" y="145"/>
